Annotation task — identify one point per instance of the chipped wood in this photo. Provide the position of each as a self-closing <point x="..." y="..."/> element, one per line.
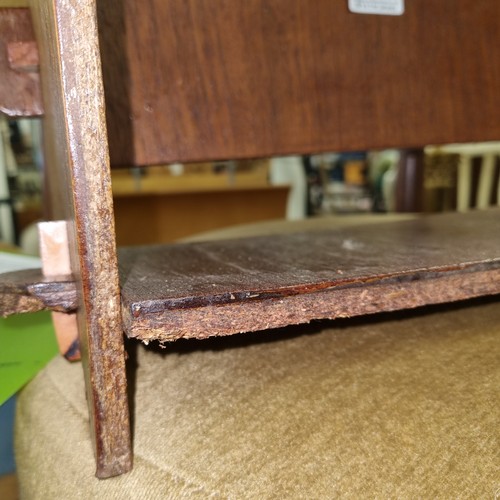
<point x="336" y="302"/>
<point x="28" y="291"/>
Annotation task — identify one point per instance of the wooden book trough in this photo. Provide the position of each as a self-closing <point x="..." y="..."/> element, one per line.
<point x="165" y="80"/>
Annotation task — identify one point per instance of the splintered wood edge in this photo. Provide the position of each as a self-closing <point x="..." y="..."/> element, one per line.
<point x="27" y="291"/>
<point x="383" y="295"/>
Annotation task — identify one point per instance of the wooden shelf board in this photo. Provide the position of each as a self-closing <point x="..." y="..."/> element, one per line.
<point x="28" y="291"/>
<point x="197" y="290"/>
<point x="224" y="287"/>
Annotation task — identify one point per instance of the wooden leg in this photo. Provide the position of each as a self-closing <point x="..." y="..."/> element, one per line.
<point x="410" y="181"/>
<point x="77" y="162"/>
<point x="464" y="183"/>
<point x="486" y="179"/>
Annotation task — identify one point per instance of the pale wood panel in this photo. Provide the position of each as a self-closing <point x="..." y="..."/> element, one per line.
<point x="175" y="215"/>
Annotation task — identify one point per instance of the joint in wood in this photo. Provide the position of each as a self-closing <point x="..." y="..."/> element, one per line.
<point x="54" y="251"/>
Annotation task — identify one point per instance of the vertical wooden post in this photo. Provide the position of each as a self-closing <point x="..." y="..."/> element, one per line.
<point x="77" y="162"/>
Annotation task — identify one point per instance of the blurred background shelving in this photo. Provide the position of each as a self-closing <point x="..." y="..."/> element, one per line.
<point x="184" y="199"/>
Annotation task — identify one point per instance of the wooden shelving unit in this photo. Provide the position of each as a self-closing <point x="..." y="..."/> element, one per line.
<point x="200" y="80"/>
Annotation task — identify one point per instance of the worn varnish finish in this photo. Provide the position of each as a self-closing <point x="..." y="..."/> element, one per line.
<point x="77" y="156"/>
<point x="19" y="80"/>
<point x="351" y="271"/>
<point x="204" y="79"/>
<point x="28" y="291"/>
<point x="225" y="287"/>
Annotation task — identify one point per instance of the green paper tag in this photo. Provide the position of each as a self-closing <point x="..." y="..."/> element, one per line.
<point x="27" y="344"/>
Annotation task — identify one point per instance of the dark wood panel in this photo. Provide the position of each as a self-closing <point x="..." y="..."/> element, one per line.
<point x="20" y="93"/>
<point x="77" y="162"/>
<point x="28" y="291"/>
<point x="207" y="79"/>
<point x="225" y="287"/>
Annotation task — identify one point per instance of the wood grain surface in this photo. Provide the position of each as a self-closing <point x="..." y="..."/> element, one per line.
<point x="20" y="93"/>
<point x="77" y="160"/>
<point x="212" y="79"/>
<point x="225" y="287"/>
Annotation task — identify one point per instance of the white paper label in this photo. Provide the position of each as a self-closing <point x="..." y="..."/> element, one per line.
<point x="381" y="7"/>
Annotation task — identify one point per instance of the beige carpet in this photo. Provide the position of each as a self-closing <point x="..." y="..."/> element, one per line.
<point x="394" y="406"/>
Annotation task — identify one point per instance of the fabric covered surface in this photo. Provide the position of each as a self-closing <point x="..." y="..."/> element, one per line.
<point x="401" y="405"/>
